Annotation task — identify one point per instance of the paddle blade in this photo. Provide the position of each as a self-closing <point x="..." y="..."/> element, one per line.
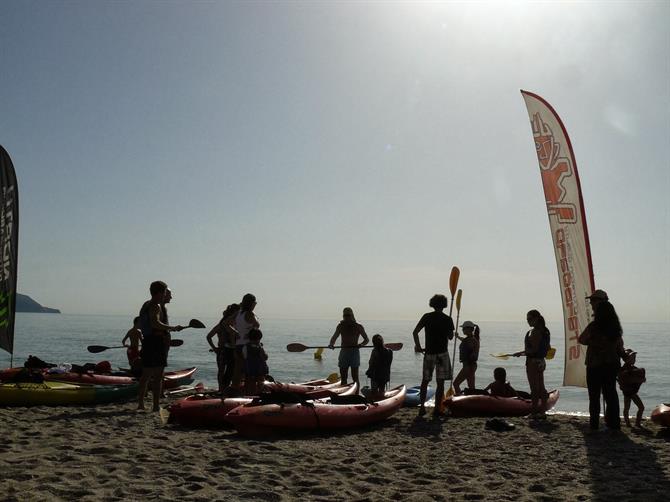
<point x="95" y="349"/>
<point x="453" y="280"/>
<point x="318" y="353"/>
<point x="458" y="300"/>
<point x="501" y="356"/>
<point x="333" y="377"/>
<point x="296" y="347"/>
<point x="194" y="323"/>
<point x="550" y="353"/>
<point x="393" y="346"/>
<point x="176" y="342"/>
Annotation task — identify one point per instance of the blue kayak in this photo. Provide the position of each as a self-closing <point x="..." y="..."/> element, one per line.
<point x="412" y="395"/>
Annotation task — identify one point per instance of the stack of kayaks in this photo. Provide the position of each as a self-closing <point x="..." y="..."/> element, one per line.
<point x="171" y="379"/>
<point x="412" y="396"/>
<point x="206" y="410"/>
<point x="333" y="413"/>
<point x="661" y="415"/>
<point x="493" y="406"/>
<point x="60" y="393"/>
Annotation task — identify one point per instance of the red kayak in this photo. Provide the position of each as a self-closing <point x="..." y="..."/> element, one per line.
<point x="494" y="406"/>
<point x="171" y="379"/>
<point x="259" y="419"/>
<point x="203" y="410"/>
<point x="661" y="415"/>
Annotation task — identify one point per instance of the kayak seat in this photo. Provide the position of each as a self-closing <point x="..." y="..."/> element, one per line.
<point x="355" y="399"/>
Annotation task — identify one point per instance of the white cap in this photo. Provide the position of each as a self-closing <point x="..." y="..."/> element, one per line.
<point x="468" y="324"/>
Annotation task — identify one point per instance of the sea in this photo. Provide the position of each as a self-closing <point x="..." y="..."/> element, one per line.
<point x="63" y="338"/>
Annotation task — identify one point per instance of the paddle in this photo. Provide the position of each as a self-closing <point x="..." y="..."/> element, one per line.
<point x="550" y="354"/>
<point x="194" y="323"/>
<point x="199" y="387"/>
<point x="450" y="392"/>
<point x="299" y="347"/>
<point x="95" y="349"/>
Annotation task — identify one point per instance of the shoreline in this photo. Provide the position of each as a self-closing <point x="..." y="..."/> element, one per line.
<point x="113" y="452"/>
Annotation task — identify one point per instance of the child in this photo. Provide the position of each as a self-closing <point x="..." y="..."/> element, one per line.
<point x="630" y="378"/>
<point x="225" y="348"/>
<point x="379" y="369"/>
<point x="254" y="363"/>
<point x="500" y="387"/>
<point x="133" y="351"/>
<point x="468" y="355"/>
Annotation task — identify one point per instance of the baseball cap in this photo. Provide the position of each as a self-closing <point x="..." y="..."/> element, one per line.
<point x="598" y="294"/>
<point x="468" y="324"/>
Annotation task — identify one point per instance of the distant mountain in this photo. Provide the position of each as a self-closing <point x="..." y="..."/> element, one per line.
<point x="26" y="304"/>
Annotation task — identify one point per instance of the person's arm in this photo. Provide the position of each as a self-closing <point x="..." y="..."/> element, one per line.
<point x="156" y="321"/>
<point x="210" y="335"/>
<point x="333" y="338"/>
<point x="251" y="319"/>
<point x="123" y="342"/>
<point x="585" y="337"/>
<point x="415" y="334"/>
<point x="364" y="335"/>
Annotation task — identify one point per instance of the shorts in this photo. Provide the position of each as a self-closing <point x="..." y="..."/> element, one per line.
<point x="349" y="358"/>
<point x="153" y="352"/>
<point x="439" y="363"/>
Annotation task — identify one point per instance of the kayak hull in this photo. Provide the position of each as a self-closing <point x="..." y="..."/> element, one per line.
<point x="493" y="406"/>
<point x="61" y="394"/>
<point x="268" y="419"/>
<point x="204" y="411"/>
<point x="661" y="415"/>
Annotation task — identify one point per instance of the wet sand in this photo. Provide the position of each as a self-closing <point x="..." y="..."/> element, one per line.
<point x="112" y="452"/>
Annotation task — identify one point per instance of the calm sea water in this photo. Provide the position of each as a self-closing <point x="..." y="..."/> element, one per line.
<point x="63" y="338"/>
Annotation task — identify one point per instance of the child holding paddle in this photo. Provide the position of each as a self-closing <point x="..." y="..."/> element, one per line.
<point x="379" y="367"/>
<point x="468" y="355"/>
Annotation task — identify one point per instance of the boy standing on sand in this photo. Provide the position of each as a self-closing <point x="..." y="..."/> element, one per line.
<point x="350" y="356"/>
<point x="630" y="378"/>
<point x="439" y="329"/>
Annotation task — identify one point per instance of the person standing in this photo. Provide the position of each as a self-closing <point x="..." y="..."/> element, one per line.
<point x="439" y="329"/>
<point x="134" y="337"/>
<point x="379" y="366"/>
<point x="350" y="355"/>
<point x="603" y="338"/>
<point x="468" y="353"/>
<point x="536" y="345"/>
<point x="225" y="348"/>
<point x="155" y="338"/>
<point x="245" y="320"/>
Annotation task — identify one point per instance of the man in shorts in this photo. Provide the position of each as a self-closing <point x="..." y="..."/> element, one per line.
<point x="439" y="329"/>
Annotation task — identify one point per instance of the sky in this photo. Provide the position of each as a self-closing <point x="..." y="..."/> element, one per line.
<point x="331" y="154"/>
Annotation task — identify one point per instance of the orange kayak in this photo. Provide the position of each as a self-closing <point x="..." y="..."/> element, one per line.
<point x="494" y="406"/>
<point x="260" y="419"/>
<point x="661" y="415"/>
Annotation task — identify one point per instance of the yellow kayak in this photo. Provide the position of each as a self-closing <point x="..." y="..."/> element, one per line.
<point x="59" y="393"/>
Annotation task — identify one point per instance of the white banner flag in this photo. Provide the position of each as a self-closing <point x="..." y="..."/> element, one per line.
<point x="567" y="222"/>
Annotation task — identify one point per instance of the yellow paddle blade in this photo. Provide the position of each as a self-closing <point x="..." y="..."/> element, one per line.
<point x="333" y="377"/>
<point x="449" y="393"/>
<point x="317" y="354"/>
<point x="164" y="415"/>
<point x="550" y="353"/>
<point x="501" y="356"/>
<point x="458" y="300"/>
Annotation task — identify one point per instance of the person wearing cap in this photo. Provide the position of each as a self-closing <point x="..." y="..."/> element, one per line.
<point x="604" y="349"/>
<point x="468" y="353"/>
<point x="439" y="329"/>
<point x="630" y="379"/>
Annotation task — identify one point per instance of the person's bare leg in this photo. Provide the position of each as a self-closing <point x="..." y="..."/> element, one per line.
<point x="640" y="410"/>
<point x="354" y="376"/>
<point x="439" y="396"/>
<point x="422" y="397"/>
<point x="344" y="373"/>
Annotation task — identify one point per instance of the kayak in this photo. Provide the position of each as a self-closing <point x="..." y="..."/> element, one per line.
<point x="171" y="379"/>
<point x="60" y="393"/>
<point x="333" y="413"/>
<point x="661" y="415"/>
<point x="202" y="410"/>
<point x="412" y="396"/>
<point x="493" y="406"/>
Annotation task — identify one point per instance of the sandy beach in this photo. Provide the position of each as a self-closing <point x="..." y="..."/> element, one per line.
<point x="113" y="452"/>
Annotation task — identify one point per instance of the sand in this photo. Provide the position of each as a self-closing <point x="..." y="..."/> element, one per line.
<point x="112" y="452"/>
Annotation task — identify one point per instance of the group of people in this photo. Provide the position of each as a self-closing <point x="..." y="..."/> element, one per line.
<point x="241" y="358"/>
<point x="604" y="353"/>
